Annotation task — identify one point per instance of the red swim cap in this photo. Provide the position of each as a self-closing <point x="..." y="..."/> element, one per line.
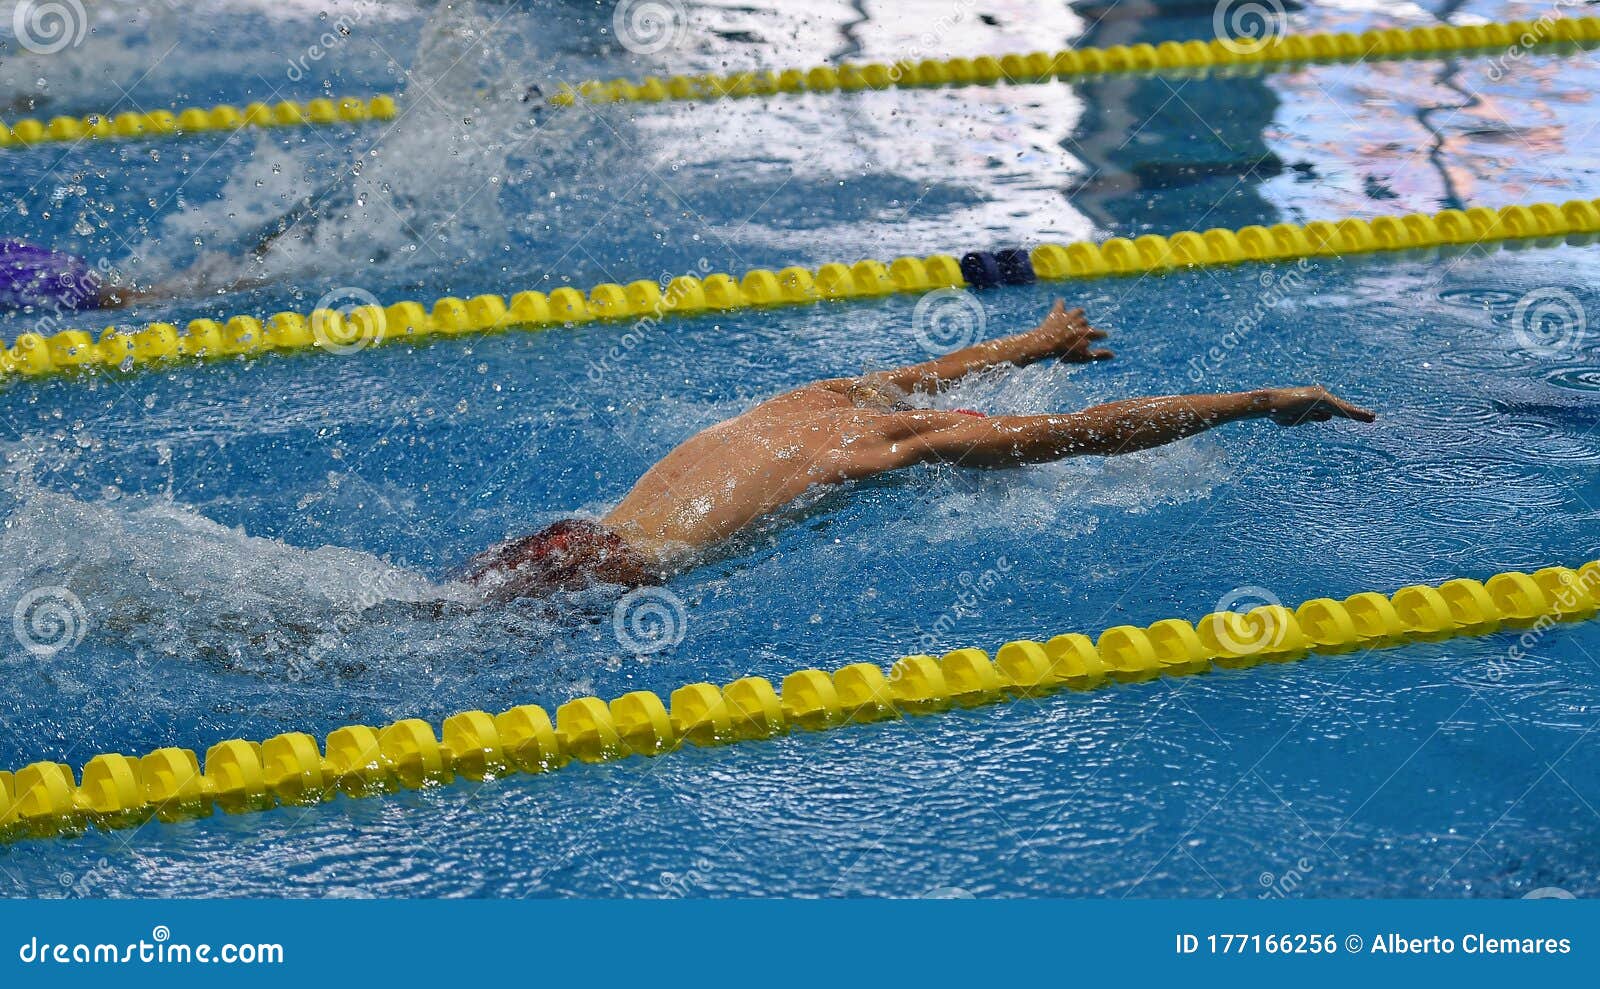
<point x="566" y="556"/>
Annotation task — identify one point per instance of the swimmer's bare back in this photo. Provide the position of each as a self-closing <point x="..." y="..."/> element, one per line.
<point x="726" y="477"/>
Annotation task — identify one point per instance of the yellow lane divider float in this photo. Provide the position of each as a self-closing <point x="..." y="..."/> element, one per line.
<point x="197" y="120"/>
<point x="1169" y="57"/>
<point x="1189" y="58"/>
<point x="120" y="791"/>
<point x="125" y="349"/>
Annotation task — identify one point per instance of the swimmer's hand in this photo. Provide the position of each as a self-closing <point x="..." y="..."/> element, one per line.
<point x="1297" y="406"/>
<point x="1069" y="336"/>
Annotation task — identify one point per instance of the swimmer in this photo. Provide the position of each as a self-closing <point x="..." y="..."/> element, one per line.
<point x="34" y="278"/>
<point x="37" y="279"/>
<point x="723" y="479"/>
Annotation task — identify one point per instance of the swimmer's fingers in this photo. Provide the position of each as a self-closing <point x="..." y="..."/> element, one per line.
<point x="1348" y="410"/>
<point x="1080" y="350"/>
<point x="1294" y="406"/>
<point x="1069" y="336"/>
<point x="1076" y="338"/>
<point x="1331" y="406"/>
<point x="1060" y="317"/>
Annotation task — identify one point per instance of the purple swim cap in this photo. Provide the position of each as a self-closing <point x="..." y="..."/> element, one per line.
<point x="36" y="276"/>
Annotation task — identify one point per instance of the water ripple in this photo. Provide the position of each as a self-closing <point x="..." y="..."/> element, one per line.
<point x="1576" y="379"/>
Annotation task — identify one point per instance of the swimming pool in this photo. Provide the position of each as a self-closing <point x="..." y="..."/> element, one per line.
<point x="245" y="538"/>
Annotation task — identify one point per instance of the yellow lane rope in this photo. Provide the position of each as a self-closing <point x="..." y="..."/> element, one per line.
<point x="355" y="330"/>
<point x="121" y="791"/>
<point x="1035" y="67"/>
<point x="197" y="120"/>
<point x="1169" y="57"/>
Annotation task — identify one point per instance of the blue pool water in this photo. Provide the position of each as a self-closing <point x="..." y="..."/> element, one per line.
<point x="249" y="541"/>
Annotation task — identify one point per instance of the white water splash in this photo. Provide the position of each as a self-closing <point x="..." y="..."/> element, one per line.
<point x="422" y="191"/>
<point x="159" y="577"/>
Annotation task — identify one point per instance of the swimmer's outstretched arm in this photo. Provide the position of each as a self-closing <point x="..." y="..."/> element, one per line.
<point x="1104" y="430"/>
<point x="1062" y="334"/>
